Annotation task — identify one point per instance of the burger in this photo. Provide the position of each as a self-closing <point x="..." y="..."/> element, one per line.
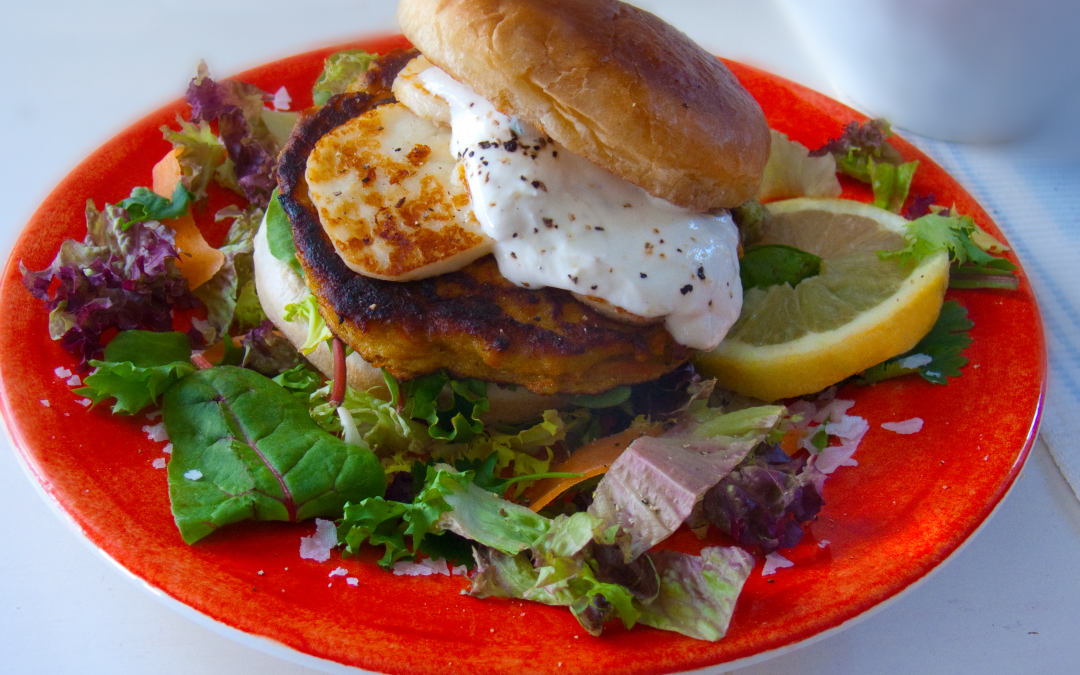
<point x="536" y="196"/>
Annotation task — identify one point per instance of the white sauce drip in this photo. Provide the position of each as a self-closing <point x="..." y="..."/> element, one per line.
<point x="559" y="220"/>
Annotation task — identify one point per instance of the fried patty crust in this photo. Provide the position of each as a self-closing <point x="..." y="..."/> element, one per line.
<point x="473" y="322"/>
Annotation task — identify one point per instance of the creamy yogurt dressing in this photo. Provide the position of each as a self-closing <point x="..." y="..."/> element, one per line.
<point x="559" y="220"/>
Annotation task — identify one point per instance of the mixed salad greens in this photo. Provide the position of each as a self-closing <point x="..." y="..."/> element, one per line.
<point x="258" y="434"/>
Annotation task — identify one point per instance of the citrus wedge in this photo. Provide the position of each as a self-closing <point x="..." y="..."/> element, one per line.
<point x="857" y="312"/>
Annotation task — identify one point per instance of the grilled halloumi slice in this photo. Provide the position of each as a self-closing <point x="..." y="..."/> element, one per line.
<point x="392" y="198"/>
<point x="414" y="95"/>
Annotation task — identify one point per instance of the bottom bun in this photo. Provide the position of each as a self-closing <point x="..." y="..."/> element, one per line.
<point x="279" y="285"/>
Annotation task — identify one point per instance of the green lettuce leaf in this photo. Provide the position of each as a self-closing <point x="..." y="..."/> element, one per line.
<point x="280" y="124"/>
<point x="244" y="448"/>
<point x="279" y="234"/>
<point x="488" y="473"/>
<point x="692" y="595"/>
<point x="457" y="418"/>
<point x="611" y="398"/>
<point x="378" y="522"/>
<point x="339" y="71"/>
<point x="750" y="217"/>
<point x="481" y="516"/>
<point x="221" y="293"/>
<point x="971" y="250"/>
<point x="202" y="157"/>
<point x="448" y="502"/>
<point x="248" y="312"/>
<point x="859" y="147"/>
<point x="308" y="311"/>
<point x="380" y="423"/>
<point x="891" y="183"/>
<point x="792" y="172"/>
<point x="301" y="380"/>
<point x="527" y="452"/>
<point x="138" y="367"/>
<point x="145" y="204"/>
<point x="697" y="593"/>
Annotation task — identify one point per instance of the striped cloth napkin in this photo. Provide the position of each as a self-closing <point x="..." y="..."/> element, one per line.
<point x="1032" y="190"/>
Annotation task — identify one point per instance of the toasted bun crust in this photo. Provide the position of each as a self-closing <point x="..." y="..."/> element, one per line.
<point x="610" y="82"/>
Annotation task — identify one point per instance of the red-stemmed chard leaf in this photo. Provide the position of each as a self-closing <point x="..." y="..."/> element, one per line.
<point x="244" y="448"/>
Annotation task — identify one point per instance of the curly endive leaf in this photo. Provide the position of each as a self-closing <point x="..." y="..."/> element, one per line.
<point x="244" y="448"/>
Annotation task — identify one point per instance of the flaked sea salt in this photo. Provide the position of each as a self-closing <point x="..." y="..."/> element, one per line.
<point x="915" y="361"/>
<point x="153" y="415"/>
<point x="411" y="569"/>
<point x="84" y="402"/>
<point x="848" y="427"/>
<point x="911" y="426"/>
<point x="62" y="372"/>
<point x="317" y="547"/>
<point x="774" y="561"/>
<point x="339" y="572"/>
<point x="158" y="463"/>
<point x="73" y="381"/>
<point x="833" y="410"/>
<point x="194" y="474"/>
<point x="352" y="581"/>
<point x="156" y="432"/>
<point x="167" y="449"/>
<point x="44" y="402"/>
<point x="282" y="100"/>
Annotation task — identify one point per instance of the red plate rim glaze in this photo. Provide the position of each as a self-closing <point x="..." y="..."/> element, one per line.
<point x="911" y="503"/>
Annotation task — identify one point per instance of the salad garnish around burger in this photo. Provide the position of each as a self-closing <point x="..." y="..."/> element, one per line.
<point x="456" y="307"/>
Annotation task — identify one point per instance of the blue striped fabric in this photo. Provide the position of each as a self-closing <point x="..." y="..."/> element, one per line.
<point x="1033" y="193"/>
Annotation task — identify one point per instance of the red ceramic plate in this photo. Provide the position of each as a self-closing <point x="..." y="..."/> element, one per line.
<point x="911" y="502"/>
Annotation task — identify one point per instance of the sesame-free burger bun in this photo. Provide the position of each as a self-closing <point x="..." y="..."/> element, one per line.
<point x="611" y="83"/>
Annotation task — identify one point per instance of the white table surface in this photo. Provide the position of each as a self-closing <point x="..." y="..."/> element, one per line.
<point x="79" y="72"/>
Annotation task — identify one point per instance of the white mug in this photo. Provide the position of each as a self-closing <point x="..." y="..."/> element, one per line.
<point x="960" y="70"/>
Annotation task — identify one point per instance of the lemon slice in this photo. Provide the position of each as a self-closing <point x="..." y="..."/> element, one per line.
<point x="859" y="311"/>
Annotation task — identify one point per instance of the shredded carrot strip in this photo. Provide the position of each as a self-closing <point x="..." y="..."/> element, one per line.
<point x="198" y="261"/>
<point x="216" y="352"/>
<point x="790" y="442"/>
<point x="590" y="460"/>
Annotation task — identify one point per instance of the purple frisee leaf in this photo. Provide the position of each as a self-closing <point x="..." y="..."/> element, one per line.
<point x="764" y="502"/>
<point x="267" y="352"/>
<point x="238" y="107"/>
<point x="653" y="487"/>
<point x="869" y="137"/>
<point x="920" y="206"/>
<point x="114" y="279"/>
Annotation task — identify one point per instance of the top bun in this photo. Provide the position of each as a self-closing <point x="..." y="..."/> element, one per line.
<point x="611" y="83"/>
